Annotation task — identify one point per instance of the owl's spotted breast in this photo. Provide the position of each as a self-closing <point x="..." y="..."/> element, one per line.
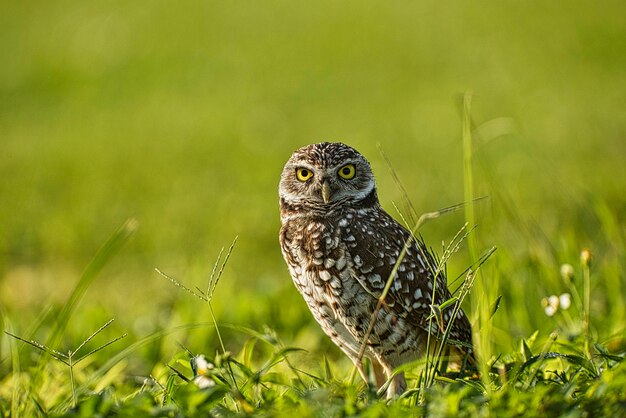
<point x="321" y="269"/>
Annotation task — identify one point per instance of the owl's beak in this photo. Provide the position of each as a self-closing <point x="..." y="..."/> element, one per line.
<point x="326" y="191"/>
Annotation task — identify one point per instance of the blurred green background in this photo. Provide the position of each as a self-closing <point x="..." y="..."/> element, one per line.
<point x="181" y="115"/>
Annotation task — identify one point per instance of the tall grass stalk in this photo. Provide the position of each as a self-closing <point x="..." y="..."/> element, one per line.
<point x="207" y="296"/>
<point x="482" y="295"/>
<point x="467" y="171"/>
<point x="213" y="281"/>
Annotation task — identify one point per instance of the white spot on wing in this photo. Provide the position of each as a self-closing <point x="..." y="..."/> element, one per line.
<point x="341" y="263"/>
<point x="375" y="278"/>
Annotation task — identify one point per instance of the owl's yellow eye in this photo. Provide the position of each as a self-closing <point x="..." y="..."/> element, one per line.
<point x="303" y="174"/>
<point x="347" y="171"/>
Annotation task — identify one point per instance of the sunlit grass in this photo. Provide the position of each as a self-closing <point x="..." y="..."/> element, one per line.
<point x="579" y="373"/>
<point x="70" y="358"/>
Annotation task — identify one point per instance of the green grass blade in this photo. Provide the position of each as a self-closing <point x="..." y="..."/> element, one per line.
<point x="102" y="257"/>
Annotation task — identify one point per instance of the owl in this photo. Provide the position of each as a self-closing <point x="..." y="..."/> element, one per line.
<point x="341" y="246"/>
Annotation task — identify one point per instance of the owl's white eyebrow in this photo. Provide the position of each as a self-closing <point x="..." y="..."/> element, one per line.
<point x="303" y="165"/>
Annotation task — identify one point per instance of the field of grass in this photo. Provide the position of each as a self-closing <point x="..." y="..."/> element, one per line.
<point x="137" y="136"/>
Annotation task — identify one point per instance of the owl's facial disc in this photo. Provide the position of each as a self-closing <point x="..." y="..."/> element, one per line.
<point x="326" y="175"/>
<point x="350" y="181"/>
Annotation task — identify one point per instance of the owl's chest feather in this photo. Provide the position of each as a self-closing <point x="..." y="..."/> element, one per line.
<point x="323" y="270"/>
<point x="317" y="254"/>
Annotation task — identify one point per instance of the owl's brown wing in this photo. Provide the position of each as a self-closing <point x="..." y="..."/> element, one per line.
<point x="411" y="293"/>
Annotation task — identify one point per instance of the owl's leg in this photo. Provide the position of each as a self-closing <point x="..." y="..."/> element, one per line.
<point x="397" y="385"/>
<point x="379" y="373"/>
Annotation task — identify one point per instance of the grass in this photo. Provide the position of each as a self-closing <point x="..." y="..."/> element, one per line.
<point x="553" y="377"/>
<point x="69" y="359"/>
<point x="181" y="117"/>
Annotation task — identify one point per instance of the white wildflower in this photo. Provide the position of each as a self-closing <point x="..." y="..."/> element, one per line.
<point x="565" y="301"/>
<point x="553" y="301"/>
<point x="550" y="305"/>
<point x="201" y="367"/>
<point x="203" y="382"/>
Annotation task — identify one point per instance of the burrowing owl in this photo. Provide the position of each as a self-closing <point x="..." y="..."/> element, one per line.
<point x="341" y="246"/>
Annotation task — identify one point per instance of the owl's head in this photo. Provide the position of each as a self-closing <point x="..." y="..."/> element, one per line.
<point x="326" y="175"/>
